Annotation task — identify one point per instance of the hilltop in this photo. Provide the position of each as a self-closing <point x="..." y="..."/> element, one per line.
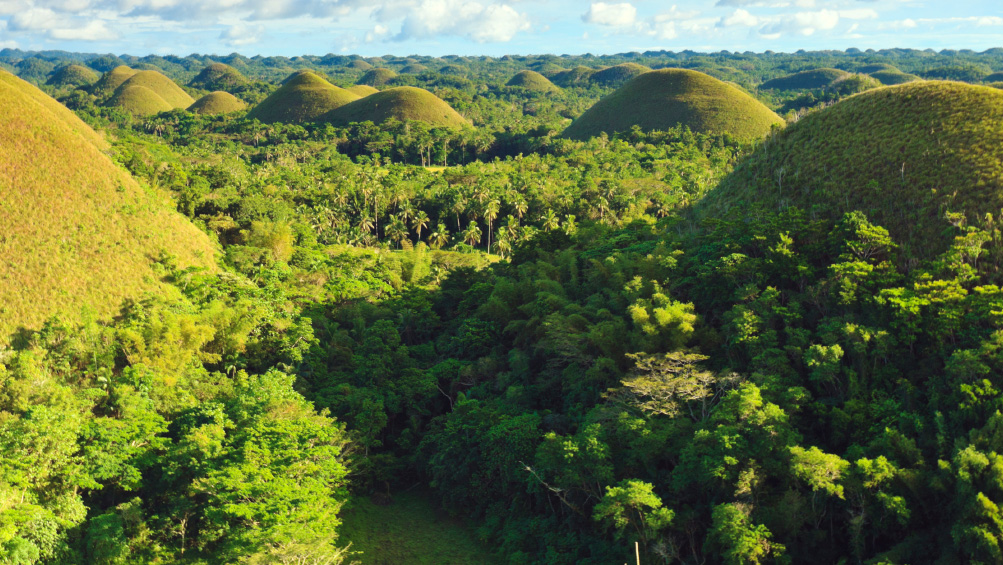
<point x="405" y="103"/>
<point x="666" y="98"/>
<point x="362" y="90"/>
<point x="617" y="75"/>
<point x="138" y="100"/>
<point x="815" y="78"/>
<point x="304" y="97"/>
<point x="218" y="102"/>
<point x="532" y="80"/>
<point x="904" y="155"/>
<point x="573" y="77"/>
<point x="893" y="77"/>
<point x="78" y="230"/>
<point x="218" y="76"/>
<point x="377" y="77"/>
<point x="72" y="75"/>
<point x="111" y="80"/>
<point x="162" y="86"/>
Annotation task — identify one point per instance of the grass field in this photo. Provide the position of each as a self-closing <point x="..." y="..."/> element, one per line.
<point x="410" y="530"/>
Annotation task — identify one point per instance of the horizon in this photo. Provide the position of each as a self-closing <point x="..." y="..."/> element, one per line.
<point x="492" y="28"/>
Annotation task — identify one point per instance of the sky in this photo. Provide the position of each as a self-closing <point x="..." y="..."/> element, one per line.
<point x="493" y="27"/>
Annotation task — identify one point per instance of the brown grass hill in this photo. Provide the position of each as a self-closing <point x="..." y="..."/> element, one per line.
<point x="360" y="65"/>
<point x="618" y="75"/>
<point x="905" y="156"/>
<point x="111" y="80"/>
<point x="362" y="90"/>
<point x="578" y="76"/>
<point x="218" y="102"/>
<point x="138" y="101"/>
<point x="532" y="80"/>
<point x="877" y="67"/>
<point x="304" y="97"/>
<point x="413" y="69"/>
<point x="666" y="98"/>
<point x="404" y="103"/>
<point x="806" y="80"/>
<point x="160" y="85"/>
<point x="377" y="77"/>
<point x="218" y="76"/>
<point x="73" y="76"/>
<point x="893" y="77"/>
<point x="78" y="230"/>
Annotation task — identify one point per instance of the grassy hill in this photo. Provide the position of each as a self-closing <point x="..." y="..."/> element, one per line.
<point x="815" y="78"/>
<point x="304" y="97"/>
<point x="877" y="67"/>
<point x="662" y="99"/>
<point x="360" y="65"/>
<point x="218" y="76"/>
<point x="405" y="103"/>
<point x="138" y="101"/>
<point x="218" y="102"/>
<point x="111" y="80"/>
<point x="362" y="90"/>
<point x="904" y="155"/>
<point x="532" y="80"/>
<point x="573" y="77"/>
<point x="377" y="77"/>
<point x="995" y="77"/>
<point x="160" y="85"/>
<point x="72" y="75"/>
<point x="617" y="75"/>
<point x="78" y="231"/>
<point x="413" y="69"/>
<point x="893" y="77"/>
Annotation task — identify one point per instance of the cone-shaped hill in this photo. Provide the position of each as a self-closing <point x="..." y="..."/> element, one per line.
<point x="877" y="67"/>
<point x="573" y="77"/>
<point x="413" y="69"/>
<point x="138" y="101"/>
<point x="218" y="76"/>
<point x="72" y="75"/>
<point x="111" y="80"/>
<point x="78" y="230"/>
<point x="377" y="77"/>
<point x="405" y="103"/>
<point x="617" y="75"/>
<point x="666" y="98"/>
<point x="304" y="97"/>
<point x="815" y="78"/>
<point x="995" y="77"/>
<point x="218" y="102"/>
<point x="161" y="86"/>
<point x="893" y="77"/>
<point x="362" y="90"/>
<point x="532" y="80"/>
<point x="903" y="155"/>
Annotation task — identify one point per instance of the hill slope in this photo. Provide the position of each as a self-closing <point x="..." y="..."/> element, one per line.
<point x="532" y="80"/>
<point x="72" y="75"/>
<point x="892" y="78"/>
<point x="617" y="75"/>
<point x="815" y="78"/>
<point x="377" y="77"/>
<point x="138" y="100"/>
<point x="304" y="97"/>
<point x="111" y="80"/>
<point x="162" y="86"/>
<point x="405" y="103"/>
<point x="904" y="155"/>
<point x="663" y="99"/>
<point x="218" y="76"/>
<point x="53" y="108"/>
<point x="78" y="230"/>
<point x="218" y="102"/>
<point x="362" y="90"/>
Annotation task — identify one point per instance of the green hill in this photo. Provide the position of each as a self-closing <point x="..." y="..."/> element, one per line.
<point x="995" y="77"/>
<point x="377" y="77"/>
<point x="877" y="67"/>
<point x="218" y="76"/>
<point x="618" y="75"/>
<point x="413" y="69"/>
<point x="892" y="78"/>
<point x="405" y="103"/>
<point x="573" y="77"/>
<point x="78" y="230"/>
<point x="815" y="78"/>
<point x="72" y="75"/>
<point x="662" y="99"/>
<point x="162" y="86"/>
<point x="218" y="102"/>
<point x="362" y="90"/>
<point x="360" y="65"/>
<point x="904" y="155"/>
<point x="111" y="80"/>
<point x="532" y="80"/>
<point x="138" y="100"/>
<point x="304" y="97"/>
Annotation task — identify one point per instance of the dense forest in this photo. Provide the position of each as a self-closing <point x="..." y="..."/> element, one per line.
<point x="734" y="348"/>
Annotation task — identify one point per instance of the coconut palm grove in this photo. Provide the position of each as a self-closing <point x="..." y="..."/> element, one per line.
<point x="661" y="307"/>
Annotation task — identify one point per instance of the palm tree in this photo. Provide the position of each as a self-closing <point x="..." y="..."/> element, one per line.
<point x="439" y="237"/>
<point x="570" y="225"/>
<point x="472" y="234"/>
<point x="521" y="207"/>
<point x="504" y="245"/>
<point x="550" y="221"/>
<point x="419" y="222"/>
<point x="459" y="205"/>
<point x="366" y="224"/>
<point x="397" y="230"/>
<point x="512" y="226"/>
<point x="490" y="214"/>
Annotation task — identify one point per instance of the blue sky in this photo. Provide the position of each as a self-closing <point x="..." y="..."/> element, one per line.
<point x="493" y="27"/>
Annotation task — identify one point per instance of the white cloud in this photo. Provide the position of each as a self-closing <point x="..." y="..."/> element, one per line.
<point x="59" y="26"/>
<point x="801" y="23"/>
<point x="739" y="18"/>
<point x="482" y="23"/>
<point x="242" y="34"/>
<point x="615" y="15"/>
